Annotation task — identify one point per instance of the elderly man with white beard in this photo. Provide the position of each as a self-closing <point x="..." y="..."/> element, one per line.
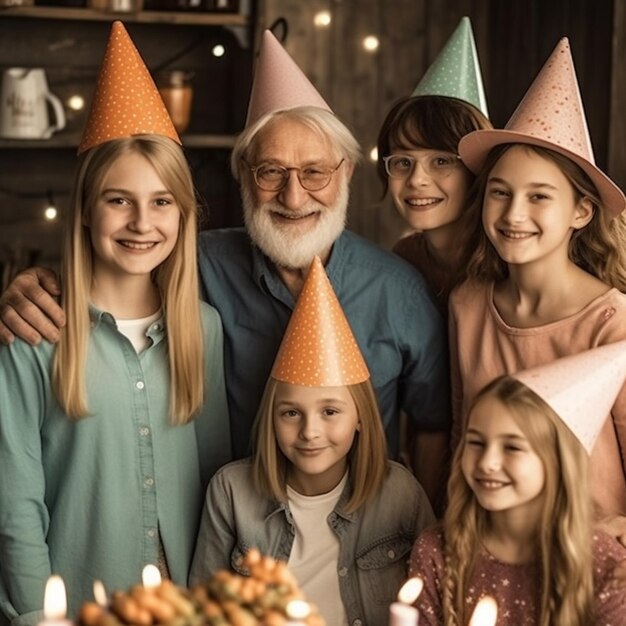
<point x="294" y="161"/>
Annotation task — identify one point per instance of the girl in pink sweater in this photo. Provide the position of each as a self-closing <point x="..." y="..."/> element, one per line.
<point x="549" y="266"/>
<point x="518" y="525"/>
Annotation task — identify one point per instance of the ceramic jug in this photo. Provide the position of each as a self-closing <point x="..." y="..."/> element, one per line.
<point x="25" y="102"/>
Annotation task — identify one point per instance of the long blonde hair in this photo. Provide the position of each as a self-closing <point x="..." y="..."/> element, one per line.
<point x="564" y="530"/>
<point x="176" y="279"/>
<point x="367" y="458"/>
<point x="599" y="248"/>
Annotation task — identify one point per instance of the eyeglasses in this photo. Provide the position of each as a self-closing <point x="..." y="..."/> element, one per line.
<point x="436" y="165"/>
<point x="273" y="177"/>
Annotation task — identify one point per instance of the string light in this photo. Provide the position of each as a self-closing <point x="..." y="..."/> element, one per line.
<point x="322" y="19"/>
<point x="218" y="51"/>
<point x="50" y="212"/>
<point x="374" y="154"/>
<point x="371" y="43"/>
<point x="76" y="102"/>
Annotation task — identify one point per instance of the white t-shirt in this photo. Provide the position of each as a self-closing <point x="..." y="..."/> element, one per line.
<point x="315" y="551"/>
<point x="135" y="330"/>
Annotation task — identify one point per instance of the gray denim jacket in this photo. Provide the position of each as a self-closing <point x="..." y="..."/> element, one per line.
<point x="375" y="541"/>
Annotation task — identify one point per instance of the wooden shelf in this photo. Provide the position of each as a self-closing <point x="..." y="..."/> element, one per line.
<point x="148" y="17"/>
<point x="71" y="140"/>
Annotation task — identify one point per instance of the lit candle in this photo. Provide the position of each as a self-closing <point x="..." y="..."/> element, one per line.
<point x="100" y="593"/>
<point x="485" y="613"/>
<point x="150" y="577"/>
<point x="55" y="603"/>
<point x="94" y="613"/>
<point x="297" y="611"/>
<point x="401" y="613"/>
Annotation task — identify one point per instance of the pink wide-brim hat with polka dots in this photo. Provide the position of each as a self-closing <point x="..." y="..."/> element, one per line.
<point x="279" y="83"/>
<point x="126" y="101"/>
<point x="551" y="115"/>
<point x="319" y="348"/>
<point x="581" y="388"/>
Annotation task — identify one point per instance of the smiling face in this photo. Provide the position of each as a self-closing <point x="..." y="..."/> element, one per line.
<point x="315" y="428"/>
<point x="293" y="225"/>
<point x="530" y="208"/>
<point x="431" y="193"/>
<point x="498" y="462"/>
<point x="135" y="221"/>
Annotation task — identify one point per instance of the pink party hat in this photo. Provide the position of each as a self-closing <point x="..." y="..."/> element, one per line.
<point x="551" y="115"/>
<point x="582" y="388"/>
<point x="319" y="349"/>
<point x="126" y="101"/>
<point x="279" y="83"/>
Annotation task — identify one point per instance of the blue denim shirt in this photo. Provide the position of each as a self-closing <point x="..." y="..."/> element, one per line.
<point x="392" y="315"/>
<point x="375" y="541"/>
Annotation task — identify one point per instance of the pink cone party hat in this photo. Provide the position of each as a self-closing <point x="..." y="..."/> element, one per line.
<point x="581" y="388"/>
<point x="126" y="101"/>
<point x="319" y="349"/>
<point x="551" y="115"/>
<point x="279" y="83"/>
<point x="455" y="72"/>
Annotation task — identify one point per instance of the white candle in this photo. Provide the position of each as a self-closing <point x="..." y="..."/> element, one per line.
<point x="297" y="611"/>
<point x="485" y="613"/>
<point x="55" y="603"/>
<point x="151" y="577"/>
<point x="401" y="613"/>
<point x="100" y="594"/>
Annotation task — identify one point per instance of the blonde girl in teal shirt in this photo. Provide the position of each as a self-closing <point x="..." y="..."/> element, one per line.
<point x="107" y="441"/>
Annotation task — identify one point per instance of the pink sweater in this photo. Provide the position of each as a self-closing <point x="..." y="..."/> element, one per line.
<point x="483" y="347"/>
<point x="515" y="587"/>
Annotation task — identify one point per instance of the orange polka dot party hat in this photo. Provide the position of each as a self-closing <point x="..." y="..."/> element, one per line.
<point x="319" y="348"/>
<point x="126" y="101"/>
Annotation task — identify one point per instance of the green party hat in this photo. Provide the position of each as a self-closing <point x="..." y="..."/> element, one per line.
<point x="456" y="72"/>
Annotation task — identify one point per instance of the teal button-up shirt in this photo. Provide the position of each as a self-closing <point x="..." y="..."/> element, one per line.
<point x="89" y="499"/>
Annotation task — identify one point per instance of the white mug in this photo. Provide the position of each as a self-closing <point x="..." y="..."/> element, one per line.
<point x="24" y="100"/>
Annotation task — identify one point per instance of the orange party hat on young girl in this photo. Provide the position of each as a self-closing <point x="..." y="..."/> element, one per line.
<point x="126" y="101"/>
<point x="319" y="349"/>
<point x="279" y="83"/>
<point x="551" y="115"/>
<point x="582" y="388"/>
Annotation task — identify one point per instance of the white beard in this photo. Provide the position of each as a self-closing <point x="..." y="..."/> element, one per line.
<point x="285" y="245"/>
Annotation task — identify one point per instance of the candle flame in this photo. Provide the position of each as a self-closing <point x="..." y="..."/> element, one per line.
<point x="151" y="576"/>
<point x="55" y="600"/>
<point x="485" y="613"/>
<point x="298" y="609"/>
<point x="410" y="591"/>
<point x="100" y="593"/>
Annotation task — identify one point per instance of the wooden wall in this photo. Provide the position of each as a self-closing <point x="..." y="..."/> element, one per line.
<point x="514" y="38"/>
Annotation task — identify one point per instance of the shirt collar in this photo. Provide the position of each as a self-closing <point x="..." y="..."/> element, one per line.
<point x="156" y="331"/>
<point x="267" y="278"/>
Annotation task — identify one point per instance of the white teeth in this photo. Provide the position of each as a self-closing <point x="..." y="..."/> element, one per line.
<point x="491" y="484"/>
<point x="422" y="201"/>
<point x="136" y="245"/>
<point x="511" y="234"/>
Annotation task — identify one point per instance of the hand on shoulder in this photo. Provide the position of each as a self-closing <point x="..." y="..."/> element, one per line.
<point x="28" y="309"/>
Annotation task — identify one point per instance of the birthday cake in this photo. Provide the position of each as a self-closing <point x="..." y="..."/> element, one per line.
<point x="270" y="596"/>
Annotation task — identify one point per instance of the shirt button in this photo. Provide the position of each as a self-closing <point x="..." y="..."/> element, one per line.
<point x="391" y="554"/>
<point x="148" y="482"/>
<point x="144" y="432"/>
<point x="343" y="571"/>
<point x="156" y="327"/>
<point x="139" y="385"/>
<point x="152" y="532"/>
<point x="357" y="622"/>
